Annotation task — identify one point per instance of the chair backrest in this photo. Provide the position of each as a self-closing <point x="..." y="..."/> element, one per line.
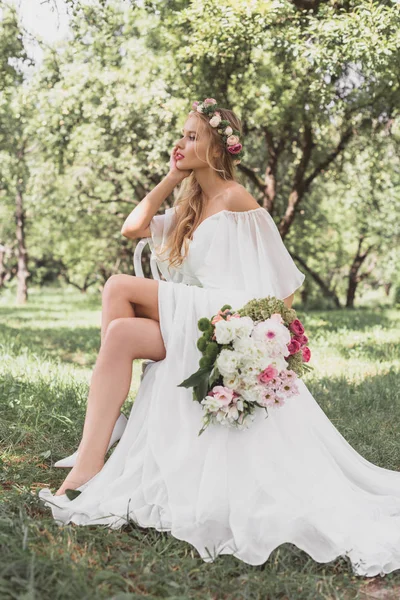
<point x="137" y="265"/>
<point x="137" y="260"/>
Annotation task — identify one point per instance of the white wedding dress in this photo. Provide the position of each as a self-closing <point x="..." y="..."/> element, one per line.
<point x="290" y="477"/>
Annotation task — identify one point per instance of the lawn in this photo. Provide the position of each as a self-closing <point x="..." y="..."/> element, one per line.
<point x="48" y="349"/>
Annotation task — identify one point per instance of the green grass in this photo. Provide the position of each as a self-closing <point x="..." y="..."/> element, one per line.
<point x="47" y="352"/>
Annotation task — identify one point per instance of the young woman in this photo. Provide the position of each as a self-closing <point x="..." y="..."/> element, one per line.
<point x="289" y="478"/>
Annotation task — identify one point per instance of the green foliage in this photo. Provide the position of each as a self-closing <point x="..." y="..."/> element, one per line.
<point x="212" y="350"/>
<point x="89" y="134"/>
<point x="396" y="299"/>
<point x="260" y="309"/>
<point x="204" y="324"/>
<point x="202" y="343"/>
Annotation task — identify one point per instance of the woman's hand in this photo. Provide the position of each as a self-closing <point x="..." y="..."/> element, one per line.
<point x="174" y="171"/>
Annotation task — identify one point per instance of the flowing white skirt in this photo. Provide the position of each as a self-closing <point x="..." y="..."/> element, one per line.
<point x="290" y="477"/>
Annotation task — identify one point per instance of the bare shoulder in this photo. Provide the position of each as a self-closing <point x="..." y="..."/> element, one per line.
<point x="239" y="199"/>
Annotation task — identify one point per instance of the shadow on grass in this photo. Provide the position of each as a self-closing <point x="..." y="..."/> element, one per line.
<point x="366" y="413"/>
<point x="371" y="350"/>
<point x="78" y="345"/>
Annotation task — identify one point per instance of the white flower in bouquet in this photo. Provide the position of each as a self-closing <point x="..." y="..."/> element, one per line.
<point x="211" y="403"/>
<point x="233" y="412"/>
<point x="272" y="331"/>
<point x="243" y="326"/>
<point x="248" y="348"/>
<point x="248" y="375"/>
<point x="246" y="422"/>
<point x="278" y="362"/>
<point x="232" y="381"/>
<point x="239" y="404"/>
<point x="222" y="418"/>
<point x="225" y="331"/>
<point x="254" y="393"/>
<point x="227" y="362"/>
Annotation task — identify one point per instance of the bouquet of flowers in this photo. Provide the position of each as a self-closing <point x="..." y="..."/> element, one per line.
<point x="251" y="358"/>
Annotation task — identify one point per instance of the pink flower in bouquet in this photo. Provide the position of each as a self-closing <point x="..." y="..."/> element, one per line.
<point x="297" y="327"/>
<point x="293" y="346"/>
<point x="302" y="339"/>
<point x="235" y="149"/>
<point x="223" y="394"/>
<point x="267" y="375"/>
<point x="217" y="318"/>
<point x="288" y="374"/>
<point x="234" y="316"/>
<point x="290" y="388"/>
<point x="221" y="314"/>
<point x="279" y="401"/>
<point x="306" y="352"/>
<point x="269" y="398"/>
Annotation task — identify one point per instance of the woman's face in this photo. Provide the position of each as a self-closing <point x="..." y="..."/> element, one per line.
<point x="191" y="143"/>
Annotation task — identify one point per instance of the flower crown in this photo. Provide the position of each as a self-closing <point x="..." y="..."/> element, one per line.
<point x="229" y="135"/>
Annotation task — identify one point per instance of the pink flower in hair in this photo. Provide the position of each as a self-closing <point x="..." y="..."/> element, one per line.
<point x="232" y="140"/>
<point x="234" y="149"/>
<point x="209" y="101"/>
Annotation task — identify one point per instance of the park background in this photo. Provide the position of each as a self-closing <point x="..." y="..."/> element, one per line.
<point x="87" y="122"/>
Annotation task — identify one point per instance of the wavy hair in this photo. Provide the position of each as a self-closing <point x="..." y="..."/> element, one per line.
<point x="188" y="198"/>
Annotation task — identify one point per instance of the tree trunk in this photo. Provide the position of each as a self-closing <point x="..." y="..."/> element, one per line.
<point x="387" y="287"/>
<point x="6" y="273"/>
<point x="326" y="291"/>
<point x="22" y="254"/>
<point x="354" y="276"/>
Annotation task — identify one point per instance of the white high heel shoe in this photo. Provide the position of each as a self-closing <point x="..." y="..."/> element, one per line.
<point x="116" y="435"/>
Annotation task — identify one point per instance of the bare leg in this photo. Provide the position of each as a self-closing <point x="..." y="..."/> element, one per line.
<point x="115" y="304"/>
<point x="127" y="296"/>
<point x="125" y="340"/>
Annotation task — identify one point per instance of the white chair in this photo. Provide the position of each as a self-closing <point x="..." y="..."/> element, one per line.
<point x="137" y="265"/>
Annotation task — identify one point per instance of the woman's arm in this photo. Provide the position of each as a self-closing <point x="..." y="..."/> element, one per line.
<point x="137" y="223"/>
<point x="289" y="301"/>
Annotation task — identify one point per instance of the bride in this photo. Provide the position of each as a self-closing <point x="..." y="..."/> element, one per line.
<point x="289" y="478"/>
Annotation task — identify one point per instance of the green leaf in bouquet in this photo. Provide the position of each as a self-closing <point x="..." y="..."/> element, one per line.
<point x="195" y="378"/>
<point x="202" y="387"/>
<point x="214" y="375"/>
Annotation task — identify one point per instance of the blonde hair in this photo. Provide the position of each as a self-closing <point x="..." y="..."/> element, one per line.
<point x="188" y="199"/>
